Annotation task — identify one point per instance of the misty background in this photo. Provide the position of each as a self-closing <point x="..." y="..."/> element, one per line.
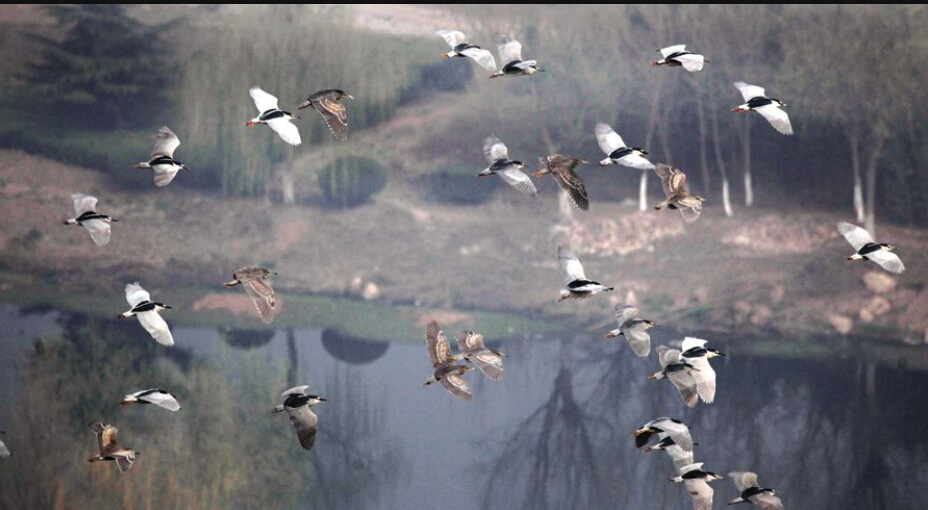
<point x="374" y="237"/>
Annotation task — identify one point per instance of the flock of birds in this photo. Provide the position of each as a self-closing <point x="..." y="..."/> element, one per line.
<point x="687" y="368"/>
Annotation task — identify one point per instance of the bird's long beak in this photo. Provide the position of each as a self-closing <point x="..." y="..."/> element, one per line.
<point x="583" y="161"/>
<point x="350" y="96"/>
<point x="304" y="104"/>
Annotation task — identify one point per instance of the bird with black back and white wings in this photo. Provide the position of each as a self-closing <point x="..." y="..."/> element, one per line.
<point x="695" y="352"/>
<point x="696" y="480"/>
<point x="756" y="99"/>
<point x="272" y="116"/>
<point x="298" y="405"/>
<point x="578" y="286"/>
<point x="461" y="48"/>
<point x="147" y="313"/>
<point x="675" y="429"/>
<point x="764" y="497"/>
<point x="160" y="398"/>
<point x="616" y="151"/>
<point x="866" y="248"/>
<point x="98" y="225"/>
<point x="162" y="159"/>
<point x="509" y="170"/>
<point x="677" y="55"/>
<point x="679" y="371"/>
<point x="510" y="58"/>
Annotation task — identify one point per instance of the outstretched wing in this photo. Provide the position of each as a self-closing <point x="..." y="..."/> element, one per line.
<point x="665" y="172"/>
<point x="286" y="129"/>
<point x="700" y="492"/>
<point x="855" y="235"/>
<point x="99" y="231"/>
<point x="452" y="37"/>
<point x="482" y="57"/>
<point x="743" y="479"/>
<point x="509" y="49"/>
<point x="518" y="180"/>
<point x="749" y="92"/>
<point x="336" y="117"/>
<point x="608" y="139"/>
<point x="469" y="341"/>
<point x="164" y="174"/>
<point x="135" y="294"/>
<point x="124" y="461"/>
<point x="437" y="344"/>
<point x="262" y="295"/>
<point x="156" y="327"/>
<point x="776" y="117"/>
<point x="306" y="423"/>
<point x="162" y="399"/>
<point x="570" y="264"/>
<point x="457" y="386"/>
<point x="691" y="62"/>
<point x="494" y="149"/>
<point x="83" y="203"/>
<point x="887" y="260"/>
<point x="263" y="100"/>
<point x="167" y="143"/>
<point x="670" y="50"/>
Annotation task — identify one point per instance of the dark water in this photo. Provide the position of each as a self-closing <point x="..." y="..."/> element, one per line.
<point x="556" y="433"/>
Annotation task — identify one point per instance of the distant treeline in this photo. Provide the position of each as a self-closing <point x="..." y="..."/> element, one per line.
<point x="853" y="77"/>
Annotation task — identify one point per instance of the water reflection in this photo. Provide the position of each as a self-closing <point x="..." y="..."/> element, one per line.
<point x="556" y="433"/>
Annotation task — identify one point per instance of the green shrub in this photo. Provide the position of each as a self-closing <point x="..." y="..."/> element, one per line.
<point x="351" y="181"/>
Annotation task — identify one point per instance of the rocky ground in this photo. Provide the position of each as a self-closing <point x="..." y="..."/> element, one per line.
<point x="760" y="271"/>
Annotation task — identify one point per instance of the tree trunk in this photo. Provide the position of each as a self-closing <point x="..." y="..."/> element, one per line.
<point x="643" y="191"/>
<point x="854" y="142"/>
<point x="288" y="193"/>
<point x="726" y="198"/>
<point x="703" y="149"/>
<point x="870" y="203"/>
<point x="746" y="153"/>
<point x="719" y="158"/>
<point x="294" y="358"/>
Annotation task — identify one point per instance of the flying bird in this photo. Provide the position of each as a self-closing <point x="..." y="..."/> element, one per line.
<point x="162" y="159"/>
<point x="675" y="429"/>
<point x="634" y="330"/>
<point x="147" y="313"/>
<point x="696" y="353"/>
<point x="445" y="371"/>
<point x="679" y="371"/>
<point x="510" y="170"/>
<point x="254" y="279"/>
<point x="616" y="151"/>
<point x="461" y="48"/>
<point x="274" y="117"/>
<point x="676" y="56"/>
<point x="489" y="361"/>
<point x="510" y="57"/>
<point x="562" y="169"/>
<point x="328" y="103"/>
<point x="755" y="99"/>
<point x="867" y="248"/>
<point x="578" y="286"/>
<point x="109" y="450"/>
<point x="697" y="484"/>
<point x="751" y="492"/>
<point x="155" y="396"/>
<point x="678" y="456"/>
<point x="676" y="196"/>
<point x="298" y="405"/>
<point x="98" y="225"/>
